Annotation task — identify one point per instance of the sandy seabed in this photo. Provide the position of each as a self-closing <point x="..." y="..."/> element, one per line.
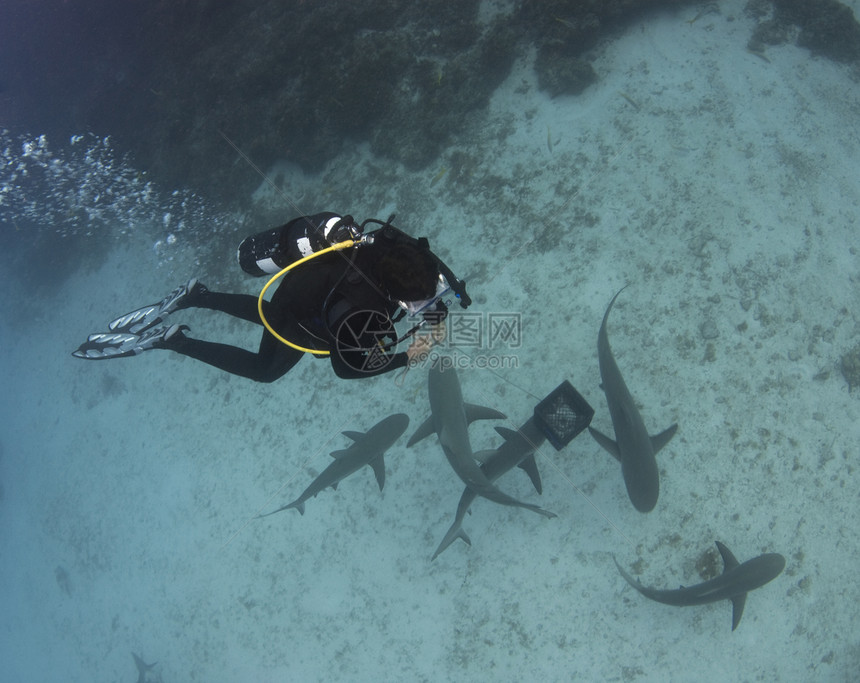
<point x="721" y="186"/>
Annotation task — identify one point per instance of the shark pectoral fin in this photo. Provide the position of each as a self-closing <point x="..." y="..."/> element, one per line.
<point x="738" y="603"/>
<point x="378" y="466"/>
<point x="426" y="429"/>
<point x="731" y="562"/>
<point x="474" y="412"/>
<point x="483" y="456"/>
<point x="355" y="436"/>
<point x="635" y="583"/>
<point x="546" y="513"/>
<point x="339" y="454"/>
<point x="608" y="444"/>
<point x="529" y="466"/>
<point x="657" y="442"/>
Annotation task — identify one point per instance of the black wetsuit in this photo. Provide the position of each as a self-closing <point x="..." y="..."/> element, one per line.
<point x="330" y="303"/>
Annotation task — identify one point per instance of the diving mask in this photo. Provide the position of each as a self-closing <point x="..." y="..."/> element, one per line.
<point x="416" y="307"/>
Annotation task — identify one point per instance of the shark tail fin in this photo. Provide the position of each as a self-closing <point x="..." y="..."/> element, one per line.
<point x="449" y="540"/>
<point x="142" y="667"/>
<point x="296" y="504"/>
<point x="729" y="559"/>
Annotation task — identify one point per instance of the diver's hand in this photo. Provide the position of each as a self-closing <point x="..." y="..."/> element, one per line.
<point x="438" y="332"/>
<point x="421" y="344"/>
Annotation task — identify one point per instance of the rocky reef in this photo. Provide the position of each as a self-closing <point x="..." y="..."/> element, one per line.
<point x="299" y="80"/>
<point x="303" y="80"/>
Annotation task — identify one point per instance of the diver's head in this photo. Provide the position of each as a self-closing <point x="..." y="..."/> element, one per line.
<point x="406" y="272"/>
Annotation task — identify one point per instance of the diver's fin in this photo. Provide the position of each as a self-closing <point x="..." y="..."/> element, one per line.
<point x="104" y="345"/>
<point x="144" y="318"/>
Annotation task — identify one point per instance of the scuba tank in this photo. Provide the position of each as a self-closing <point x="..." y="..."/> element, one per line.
<point x="262" y="253"/>
<point x="270" y="251"/>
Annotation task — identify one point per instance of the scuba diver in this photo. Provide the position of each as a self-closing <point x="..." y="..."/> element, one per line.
<point x="342" y="293"/>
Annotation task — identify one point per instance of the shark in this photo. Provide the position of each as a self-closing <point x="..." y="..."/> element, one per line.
<point x="632" y="446"/>
<point x="517" y="450"/>
<point x="367" y="449"/>
<point x="449" y="419"/>
<point x="733" y="584"/>
<point x="142" y="668"/>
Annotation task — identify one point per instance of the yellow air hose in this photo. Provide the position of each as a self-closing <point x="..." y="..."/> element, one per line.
<point x="280" y="273"/>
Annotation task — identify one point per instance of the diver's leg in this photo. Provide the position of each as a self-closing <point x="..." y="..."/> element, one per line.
<point x="243" y="306"/>
<point x="193" y="294"/>
<point x="271" y="362"/>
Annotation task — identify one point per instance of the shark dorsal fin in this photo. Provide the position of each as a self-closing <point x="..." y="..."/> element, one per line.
<point x="515" y="436"/>
<point x="729" y="560"/>
<point x="355" y="436"/>
<point x="339" y="454"/>
<point x="528" y="464"/>
<point x="507" y="434"/>
<point x="474" y="412"/>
